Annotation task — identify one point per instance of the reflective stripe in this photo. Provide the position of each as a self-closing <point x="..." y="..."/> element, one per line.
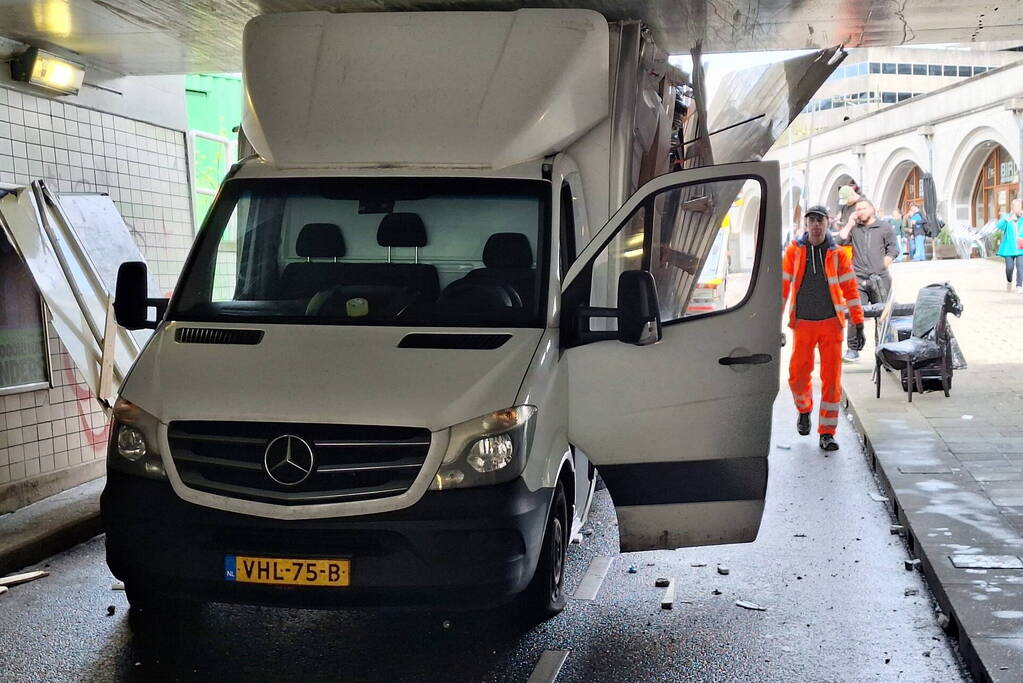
<point x="847" y="277"/>
<point x="787" y="276"/>
<point x="832" y="280"/>
<point x="841" y="308"/>
<point x="825" y="405"/>
<point x="853" y="302"/>
<point x="829" y="421"/>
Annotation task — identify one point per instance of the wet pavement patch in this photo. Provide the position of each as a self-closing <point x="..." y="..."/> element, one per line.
<point x="925" y="469"/>
<point x="986" y="561"/>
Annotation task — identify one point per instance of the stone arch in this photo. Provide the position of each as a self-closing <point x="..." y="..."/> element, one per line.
<point x="962" y="172"/>
<point x="742" y="243"/>
<point x="894" y="172"/>
<point x="792" y="203"/>
<point x="839" y="175"/>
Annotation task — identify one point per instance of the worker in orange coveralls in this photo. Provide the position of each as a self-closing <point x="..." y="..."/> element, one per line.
<point x="820" y="273"/>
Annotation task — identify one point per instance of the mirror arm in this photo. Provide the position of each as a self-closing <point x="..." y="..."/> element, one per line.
<point x="584" y="314"/>
<point x="161" y="308"/>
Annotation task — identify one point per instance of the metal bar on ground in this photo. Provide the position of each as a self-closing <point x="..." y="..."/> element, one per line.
<point x="593" y="579"/>
<point x="668" y="601"/>
<point x="548" y="666"/>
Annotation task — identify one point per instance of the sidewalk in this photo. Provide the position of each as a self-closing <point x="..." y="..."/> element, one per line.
<point x="54" y="524"/>
<point x="953" y="467"/>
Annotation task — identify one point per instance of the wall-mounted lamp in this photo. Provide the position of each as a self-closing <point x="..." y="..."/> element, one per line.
<point x="46" y="70"/>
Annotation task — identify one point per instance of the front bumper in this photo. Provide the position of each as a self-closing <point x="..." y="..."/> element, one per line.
<point x="463" y="548"/>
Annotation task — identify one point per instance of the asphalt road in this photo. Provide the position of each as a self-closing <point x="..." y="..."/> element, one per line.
<point x="825" y="567"/>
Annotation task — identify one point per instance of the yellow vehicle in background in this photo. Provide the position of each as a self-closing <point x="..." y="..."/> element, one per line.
<point x="709" y="294"/>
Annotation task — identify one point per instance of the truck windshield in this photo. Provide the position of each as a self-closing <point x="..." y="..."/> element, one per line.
<point x="371" y="251"/>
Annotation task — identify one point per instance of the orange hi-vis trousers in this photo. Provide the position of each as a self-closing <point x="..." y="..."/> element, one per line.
<point x="825" y="335"/>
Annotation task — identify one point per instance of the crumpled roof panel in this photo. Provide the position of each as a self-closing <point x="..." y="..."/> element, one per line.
<point x="200" y="36"/>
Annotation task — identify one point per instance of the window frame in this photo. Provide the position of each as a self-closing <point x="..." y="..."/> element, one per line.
<point x="47" y="349"/>
<point x="232" y="189"/>
<point x="579" y="292"/>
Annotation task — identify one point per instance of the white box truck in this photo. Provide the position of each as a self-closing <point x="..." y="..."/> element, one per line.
<point x="435" y="300"/>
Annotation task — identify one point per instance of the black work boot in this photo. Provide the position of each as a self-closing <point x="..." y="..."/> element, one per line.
<point x="803" y="424"/>
<point x="828" y="443"/>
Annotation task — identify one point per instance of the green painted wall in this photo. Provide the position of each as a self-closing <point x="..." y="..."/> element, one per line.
<point x="214" y="104"/>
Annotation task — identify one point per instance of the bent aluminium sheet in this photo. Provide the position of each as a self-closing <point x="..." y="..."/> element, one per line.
<point x="69" y="281"/>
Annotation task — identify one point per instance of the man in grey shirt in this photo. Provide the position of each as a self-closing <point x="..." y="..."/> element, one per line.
<point x="874" y="246"/>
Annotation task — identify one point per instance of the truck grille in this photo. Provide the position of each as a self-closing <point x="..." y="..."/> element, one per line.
<point x="347" y="463"/>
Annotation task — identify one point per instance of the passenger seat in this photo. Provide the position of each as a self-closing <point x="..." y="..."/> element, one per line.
<point x="420" y="280"/>
<point x="508" y="261"/>
<point x="302" y="279"/>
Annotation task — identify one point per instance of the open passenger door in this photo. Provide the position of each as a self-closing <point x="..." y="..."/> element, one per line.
<point x="680" y="429"/>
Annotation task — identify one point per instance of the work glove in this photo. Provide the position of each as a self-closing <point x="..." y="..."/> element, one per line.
<point x="859" y="340"/>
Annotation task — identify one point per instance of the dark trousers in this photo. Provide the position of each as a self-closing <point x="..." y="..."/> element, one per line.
<point x="1018" y="262"/>
<point x="869" y="294"/>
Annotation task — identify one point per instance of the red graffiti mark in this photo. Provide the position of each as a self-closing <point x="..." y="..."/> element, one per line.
<point x="96" y="438"/>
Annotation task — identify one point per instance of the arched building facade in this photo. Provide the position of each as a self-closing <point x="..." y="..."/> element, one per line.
<point x="966" y="135"/>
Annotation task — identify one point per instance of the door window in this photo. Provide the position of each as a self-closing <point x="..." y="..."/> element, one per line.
<point x="699" y="243"/>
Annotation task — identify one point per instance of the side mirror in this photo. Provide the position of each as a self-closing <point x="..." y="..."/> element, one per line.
<point x="131" y="301"/>
<point x="639" y="315"/>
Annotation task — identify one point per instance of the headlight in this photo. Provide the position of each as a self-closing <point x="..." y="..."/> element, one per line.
<point x="491" y="453"/>
<point x="133" y="442"/>
<point x="491" y="449"/>
<point x="130" y="443"/>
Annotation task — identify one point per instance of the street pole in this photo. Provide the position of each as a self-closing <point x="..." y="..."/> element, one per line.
<point x="928" y="133"/>
<point x="809" y="153"/>
<point x="861" y="153"/>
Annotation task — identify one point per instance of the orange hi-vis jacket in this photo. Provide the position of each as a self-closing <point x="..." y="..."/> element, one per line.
<point x="841" y="279"/>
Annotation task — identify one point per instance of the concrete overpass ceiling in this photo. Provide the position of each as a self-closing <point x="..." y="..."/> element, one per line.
<point x="201" y="36"/>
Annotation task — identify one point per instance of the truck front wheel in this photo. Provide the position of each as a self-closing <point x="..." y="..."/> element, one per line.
<point x="149" y="609"/>
<point x="545" y="595"/>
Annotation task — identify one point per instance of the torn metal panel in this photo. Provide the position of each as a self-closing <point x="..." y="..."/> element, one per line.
<point x="753" y="107"/>
<point x="77" y="292"/>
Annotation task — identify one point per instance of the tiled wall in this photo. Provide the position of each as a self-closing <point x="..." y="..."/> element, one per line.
<point x="144" y="170"/>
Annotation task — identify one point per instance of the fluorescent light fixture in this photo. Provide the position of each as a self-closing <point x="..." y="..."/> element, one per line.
<point x="46" y="70"/>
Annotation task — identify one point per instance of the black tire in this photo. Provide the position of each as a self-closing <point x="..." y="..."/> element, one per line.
<point x="150" y="608"/>
<point x="545" y="596"/>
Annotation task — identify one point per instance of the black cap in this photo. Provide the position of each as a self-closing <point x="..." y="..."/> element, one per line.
<point x="819" y="210"/>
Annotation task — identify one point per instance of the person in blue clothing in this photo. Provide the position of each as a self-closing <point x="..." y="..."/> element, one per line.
<point x="1011" y="226"/>
<point x="915" y="224"/>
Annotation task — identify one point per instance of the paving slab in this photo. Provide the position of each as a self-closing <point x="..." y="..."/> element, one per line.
<point x="1007" y="652"/>
<point x="953" y="467"/>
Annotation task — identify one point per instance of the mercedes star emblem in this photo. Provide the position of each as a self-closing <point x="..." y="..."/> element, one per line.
<point x="289" y="460"/>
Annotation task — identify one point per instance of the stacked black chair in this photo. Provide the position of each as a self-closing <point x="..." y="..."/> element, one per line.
<point x="927" y="352"/>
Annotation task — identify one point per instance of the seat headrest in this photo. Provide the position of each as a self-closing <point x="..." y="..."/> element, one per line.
<point x="508" y="250"/>
<point x="401" y="230"/>
<point x="320" y="240"/>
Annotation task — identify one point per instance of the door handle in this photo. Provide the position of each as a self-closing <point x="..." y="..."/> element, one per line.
<point x="754" y="359"/>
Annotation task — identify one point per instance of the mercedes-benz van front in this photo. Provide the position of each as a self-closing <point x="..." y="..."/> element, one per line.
<point x="339" y="406"/>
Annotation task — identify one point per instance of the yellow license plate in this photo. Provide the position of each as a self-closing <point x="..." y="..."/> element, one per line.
<point x="287" y="571"/>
